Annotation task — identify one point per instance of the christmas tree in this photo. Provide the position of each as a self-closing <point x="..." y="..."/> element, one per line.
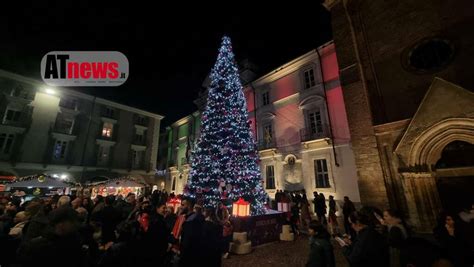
<point x="225" y="163"/>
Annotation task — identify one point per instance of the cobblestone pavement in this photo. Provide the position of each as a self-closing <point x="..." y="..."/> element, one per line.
<point x="280" y="254"/>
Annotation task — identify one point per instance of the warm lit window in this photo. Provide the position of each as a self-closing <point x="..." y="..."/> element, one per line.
<point x="107" y="129"/>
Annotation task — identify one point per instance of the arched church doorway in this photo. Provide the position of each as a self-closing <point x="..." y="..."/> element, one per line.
<point x="455" y="176"/>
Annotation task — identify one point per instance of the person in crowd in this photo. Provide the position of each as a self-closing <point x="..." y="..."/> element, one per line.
<point x="38" y="222"/>
<point x="191" y="235"/>
<point x="6" y="220"/>
<point x="98" y="204"/>
<point x="129" y="205"/>
<point x="64" y="201"/>
<point x="109" y="218"/>
<point x="76" y="203"/>
<point x="321" y="251"/>
<point x="61" y="245"/>
<point x="227" y="235"/>
<point x="451" y="237"/>
<point x="170" y="217"/>
<point x="87" y="204"/>
<point x="21" y="218"/>
<point x="212" y="238"/>
<point x="305" y="215"/>
<point x="82" y="215"/>
<point x="321" y="208"/>
<point x="155" y="198"/>
<point x="294" y="219"/>
<point x="347" y="209"/>
<point x="368" y="248"/>
<point x="315" y="202"/>
<point x="396" y="233"/>
<point x="467" y="215"/>
<point x="142" y="215"/>
<point x="122" y="253"/>
<point x="333" y="225"/>
<point x="154" y="243"/>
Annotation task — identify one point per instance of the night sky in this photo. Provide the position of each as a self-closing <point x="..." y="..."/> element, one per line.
<point x="170" y="50"/>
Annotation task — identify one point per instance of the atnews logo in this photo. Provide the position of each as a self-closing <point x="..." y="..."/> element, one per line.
<point x="84" y="68"/>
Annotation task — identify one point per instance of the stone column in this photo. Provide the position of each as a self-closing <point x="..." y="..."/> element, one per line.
<point x="422" y="199"/>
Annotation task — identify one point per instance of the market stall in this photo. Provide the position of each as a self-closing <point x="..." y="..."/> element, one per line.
<point x="40" y="185"/>
<point x="120" y="186"/>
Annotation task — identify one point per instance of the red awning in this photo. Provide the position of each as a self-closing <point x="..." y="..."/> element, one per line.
<point x="7" y="178"/>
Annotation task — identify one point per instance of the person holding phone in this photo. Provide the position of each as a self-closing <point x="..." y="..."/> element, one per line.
<point x="368" y="248"/>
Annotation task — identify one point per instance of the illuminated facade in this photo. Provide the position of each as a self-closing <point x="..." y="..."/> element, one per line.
<point x="72" y="135"/>
<point x="300" y="126"/>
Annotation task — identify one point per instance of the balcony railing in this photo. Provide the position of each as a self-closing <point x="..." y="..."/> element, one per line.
<point x="139" y="142"/>
<point x="266" y="144"/>
<point x="68" y="104"/>
<point x="308" y="134"/>
<point x="62" y="129"/>
<point x="143" y="121"/>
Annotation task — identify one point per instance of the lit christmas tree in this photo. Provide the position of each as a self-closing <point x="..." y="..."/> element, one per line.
<point x="225" y="163"/>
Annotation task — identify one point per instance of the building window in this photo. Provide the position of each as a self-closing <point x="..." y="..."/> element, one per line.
<point x="104" y="152"/>
<point x="68" y="103"/>
<point x="315" y="122"/>
<point x="173" y="185"/>
<point x="12" y="116"/>
<point x="108" y="112"/>
<point x="59" y="149"/>
<point x="107" y="129"/>
<point x="140" y="120"/>
<point x="309" y="78"/>
<point x="321" y="173"/>
<point x="20" y="92"/>
<point x="268" y="133"/>
<point x="139" y="137"/>
<point x="64" y="125"/>
<point x="270" y="177"/>
<point x="6" y="141"/>
<point x="137" y="158"/>
<point x="266" y="98"/>
<point x="430" y="55"/>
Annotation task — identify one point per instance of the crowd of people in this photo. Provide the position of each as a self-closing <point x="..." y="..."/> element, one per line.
<point x="143" y="231"/>
<point x="375" y="238"/>
<point x="112" y="231"/>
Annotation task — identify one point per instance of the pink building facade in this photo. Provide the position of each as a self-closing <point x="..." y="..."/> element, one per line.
<point x="299" y="122"/>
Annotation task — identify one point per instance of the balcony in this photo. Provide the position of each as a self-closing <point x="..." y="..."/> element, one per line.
<point x="262" y="144"/>
<point x="63" y="127"/>
<point x="320" y="132"/>
<point x="141" y="121"/>
<point x="70" y="104"/>
<point x="139" y="141"/>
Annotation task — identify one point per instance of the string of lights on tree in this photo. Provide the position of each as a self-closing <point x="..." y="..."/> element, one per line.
<point x="225" y="162"/>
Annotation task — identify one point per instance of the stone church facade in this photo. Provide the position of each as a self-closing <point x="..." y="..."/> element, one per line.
<point x="407" y="86"/>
